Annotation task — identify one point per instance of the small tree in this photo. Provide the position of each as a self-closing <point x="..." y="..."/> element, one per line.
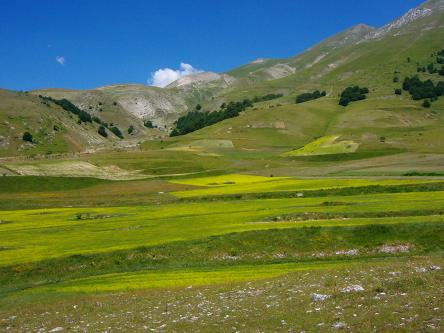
<point x="102" y="131"/>
<point x="27" y="137"/>
<point x="148" y="124"/>
<point x="116" y="132"/>
<point x="426" y="104"/>
<point x="198" y="107"/>
<point x="130" y="129"/>
<point x="398" y="91"/>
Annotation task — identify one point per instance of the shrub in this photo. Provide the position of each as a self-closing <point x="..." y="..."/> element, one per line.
<point x="130" y="129"/>
<point x="27" y="137"/>
<point x="148" y="124"/>
<point x="116" y="131"/>
<point x="398" y="91"/>
<point x="102" y="131"/>
<point x="431" y="68"/>
<point x="305" y="97"/>
<point x="264" y="98"/>
<point x="426" y="104"/>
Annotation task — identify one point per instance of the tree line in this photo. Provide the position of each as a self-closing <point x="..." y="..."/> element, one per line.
<point x="66" y="105"/>
<point x="84" y="116"/>
<point x="197" y="119"/>
<point x="305" y="97"/>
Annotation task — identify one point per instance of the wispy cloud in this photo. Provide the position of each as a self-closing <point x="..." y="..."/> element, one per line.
<point x="60" y="60"/>
<point x="164" y="76"/>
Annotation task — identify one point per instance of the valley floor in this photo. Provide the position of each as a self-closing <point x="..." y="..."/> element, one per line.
<point x="229" y="253"/>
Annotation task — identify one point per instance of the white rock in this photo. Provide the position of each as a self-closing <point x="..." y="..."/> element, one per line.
<point x="319" y="297"/>
<point x="352" y="288"/>
<point x="57" y="329"/>
<point x="420" y="269"/>
<point x="353" y="252"/>
<point x="338" y="325"/>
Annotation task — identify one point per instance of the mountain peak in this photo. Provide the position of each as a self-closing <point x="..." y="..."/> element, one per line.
<point x="349" y="36"/>
<point x="358" y="28"/>
<point x="426" y="9"/>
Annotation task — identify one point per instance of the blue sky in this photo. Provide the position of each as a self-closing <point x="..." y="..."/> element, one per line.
<point x="86" y="43"/>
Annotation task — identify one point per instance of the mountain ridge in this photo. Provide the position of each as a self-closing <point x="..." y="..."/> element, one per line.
<point x="346" y="58"/>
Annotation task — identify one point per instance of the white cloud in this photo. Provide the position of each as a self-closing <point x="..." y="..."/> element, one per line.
<point x="164" y="76"/>
<point x="60" y="60"/>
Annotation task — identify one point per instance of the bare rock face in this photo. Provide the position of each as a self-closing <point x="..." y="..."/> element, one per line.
<point x="413" y="16"/>
<point x="204" y="79"/>
<point x="279" y="70"/>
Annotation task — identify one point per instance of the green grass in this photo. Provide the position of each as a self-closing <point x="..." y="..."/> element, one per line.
<point x="33" y="235"/>
<point x="62" y="255"/>
<point x="179" y="278"/>
<point x="16" y="184"/>
<point x="260" y="247"/>
<point x="326" y="145"/>
<point x="242" y="184"/>
<point x="273" y="304"/>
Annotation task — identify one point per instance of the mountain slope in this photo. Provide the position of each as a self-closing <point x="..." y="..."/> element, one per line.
<point x="361" y="55"/>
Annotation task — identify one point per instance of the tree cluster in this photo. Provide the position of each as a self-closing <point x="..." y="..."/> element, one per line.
<point x="310" y="96"/>
<point x="195" y="120"/>
<point x="419" y="89"/>
<point x="84" y="116"/>
<point x="353" y="94"/>
<point x="264" y="98"/>
<point x="66" y="105"/>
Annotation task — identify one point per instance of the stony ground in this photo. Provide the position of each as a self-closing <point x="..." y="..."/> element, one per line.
<point x="401" y="295"/>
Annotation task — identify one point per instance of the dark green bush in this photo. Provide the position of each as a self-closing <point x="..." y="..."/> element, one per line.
<point x="116" y="132"/>
<point x="310" y="96"/>
<point x="102" y="131"/>
<point x="27" y="137"/>
<point x="353" y="94"/>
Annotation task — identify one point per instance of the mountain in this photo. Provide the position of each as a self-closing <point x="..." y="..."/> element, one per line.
<point x="361" y="55"/>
